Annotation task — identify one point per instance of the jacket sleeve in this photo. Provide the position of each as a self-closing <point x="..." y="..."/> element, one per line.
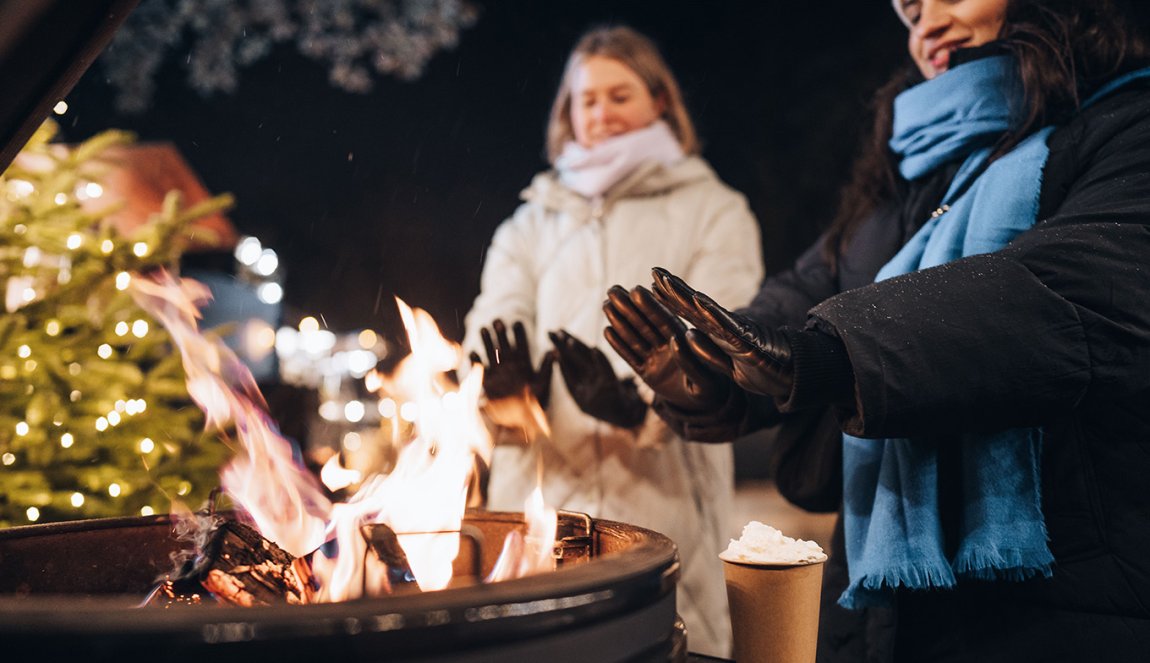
<point x="1018" y="336"/>
<point x="507" y="285"/>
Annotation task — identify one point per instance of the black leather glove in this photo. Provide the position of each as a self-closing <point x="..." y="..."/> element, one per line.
<point x="508" y="371"/>
<point x="593" y="385"/>
<point x="652" y="340"/>
<point x="758" y="360"/>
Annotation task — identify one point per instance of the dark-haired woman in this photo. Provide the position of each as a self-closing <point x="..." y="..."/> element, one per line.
<point x="978" y="321"/>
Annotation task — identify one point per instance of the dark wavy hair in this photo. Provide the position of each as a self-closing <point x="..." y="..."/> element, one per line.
<point x="1064" y="48"/>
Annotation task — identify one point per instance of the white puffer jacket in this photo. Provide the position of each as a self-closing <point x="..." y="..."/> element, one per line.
<point x="550" y="266"/>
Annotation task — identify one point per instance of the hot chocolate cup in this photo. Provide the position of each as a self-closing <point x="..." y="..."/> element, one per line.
<point x="774" y="610"/>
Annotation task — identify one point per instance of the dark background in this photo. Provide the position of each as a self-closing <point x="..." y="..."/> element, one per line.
<point x="397" y="192"/>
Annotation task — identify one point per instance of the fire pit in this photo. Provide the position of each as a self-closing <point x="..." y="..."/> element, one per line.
<point x="72" y="590"/>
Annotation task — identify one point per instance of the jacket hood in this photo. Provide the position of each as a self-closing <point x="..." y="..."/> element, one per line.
<point x="647" y="180"/>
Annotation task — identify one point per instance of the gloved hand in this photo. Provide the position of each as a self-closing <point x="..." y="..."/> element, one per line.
<point x="758" y="360"/>
<point x="652" y="340"/>
<point x="508" y="371"/>
<point x="593" y="385"/>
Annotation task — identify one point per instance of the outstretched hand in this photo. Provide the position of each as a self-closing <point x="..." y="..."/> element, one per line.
<point x="653" y="342"/>
<point x="758" y="360"/>
<point x="508" y="371"/>
<point x="593" y="384"/>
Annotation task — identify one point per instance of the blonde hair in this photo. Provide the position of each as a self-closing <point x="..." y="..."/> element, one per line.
<point x="641" y="56"/>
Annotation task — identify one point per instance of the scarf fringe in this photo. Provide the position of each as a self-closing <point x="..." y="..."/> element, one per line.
<point x="1012" y="564"/>
<point x="877" y="589"/>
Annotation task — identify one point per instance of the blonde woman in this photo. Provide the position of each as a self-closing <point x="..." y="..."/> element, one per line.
<point x="628" y="190"/>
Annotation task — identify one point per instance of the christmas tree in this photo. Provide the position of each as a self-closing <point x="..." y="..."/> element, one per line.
<point x="95" y="418"/>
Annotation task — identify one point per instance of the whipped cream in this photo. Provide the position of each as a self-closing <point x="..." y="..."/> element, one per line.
<point x="763" y="544"/>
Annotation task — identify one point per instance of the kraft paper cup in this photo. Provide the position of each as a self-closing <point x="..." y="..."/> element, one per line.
<point x="774" y="611"/>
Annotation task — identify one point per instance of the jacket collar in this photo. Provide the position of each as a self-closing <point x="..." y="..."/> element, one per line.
<point x="649" y="179"/>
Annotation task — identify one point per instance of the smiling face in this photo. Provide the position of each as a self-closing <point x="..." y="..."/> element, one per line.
<point x="939" y="27"/>
<point x="609" y="99"/>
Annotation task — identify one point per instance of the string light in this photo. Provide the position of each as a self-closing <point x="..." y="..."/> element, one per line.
<point x="75" y="395"/>
<point x="107" y="246"/>
<point x="359" y="362"/>
<point x="114" y="418"/>
<point x="184" y="488"/>
<point x="20" y="189"/>
<point x="23" y="352"/>
<point x="352" y="441"/>
<point x="8" y="459"/>
<point x="409" y="412"/>
<point x="22" y="428"/>
<point x="32" y="256"/>
<point x="123" y="280"/>
<point x="140" y="328"/>
<point x="52" y="328"/>
<point x="60" y="108"/>
<point x="77" y="500"/>
<point x="140" y="249"/>
<point x="60" y="198"/>
<point x="329" y="410"/>
<point x="367" y="339"/>
<point x="30" y="365"/>
<point x="267" y="263"/>
<point x="353" y="411"/>
<point x="147" y="446"/>
<point x="248" y="251"/>
<point x="121" y="328"/>
<point x="66" y="440"/>
<point x="74" y="241"/>
<point x="102" y="424"/>
<point x="104" y="351"/>
<point x="75" y="369"/>
<point x="387" y="408"/>
<point x="270" y="293"/>
<point x="114" y="489"/>
<point x="33" y="513"/>
<point x="309" y="324"/>
<point x="147" y="511"/>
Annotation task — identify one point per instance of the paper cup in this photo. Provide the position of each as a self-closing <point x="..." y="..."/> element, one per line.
<point x="774" y="611"/>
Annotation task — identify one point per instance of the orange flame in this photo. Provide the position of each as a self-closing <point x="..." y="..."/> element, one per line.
<point x="423" y="499"/>
<point x="286" y="502"/>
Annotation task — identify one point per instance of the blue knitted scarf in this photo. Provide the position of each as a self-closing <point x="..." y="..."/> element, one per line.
<point x="890" y="509"/>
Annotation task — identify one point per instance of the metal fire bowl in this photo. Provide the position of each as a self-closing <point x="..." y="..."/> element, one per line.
<point x="70" y="591"/>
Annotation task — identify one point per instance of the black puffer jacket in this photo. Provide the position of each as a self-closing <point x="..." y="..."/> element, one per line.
<point x="1052" y="331"/>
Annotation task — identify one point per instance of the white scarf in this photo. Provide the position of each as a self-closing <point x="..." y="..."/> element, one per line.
<point x="591" y="171"/>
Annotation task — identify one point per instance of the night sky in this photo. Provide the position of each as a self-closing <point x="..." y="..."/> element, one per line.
<point x="398" y="192"/>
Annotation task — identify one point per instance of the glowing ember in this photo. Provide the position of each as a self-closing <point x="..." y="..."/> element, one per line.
<point x="422" y="500"/>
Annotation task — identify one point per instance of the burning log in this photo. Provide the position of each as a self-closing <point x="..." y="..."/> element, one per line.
<point x="389" y="571"/>
<point x="237" y="566"/>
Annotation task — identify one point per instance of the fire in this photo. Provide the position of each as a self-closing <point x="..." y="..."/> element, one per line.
<point x="414" y="513"/>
